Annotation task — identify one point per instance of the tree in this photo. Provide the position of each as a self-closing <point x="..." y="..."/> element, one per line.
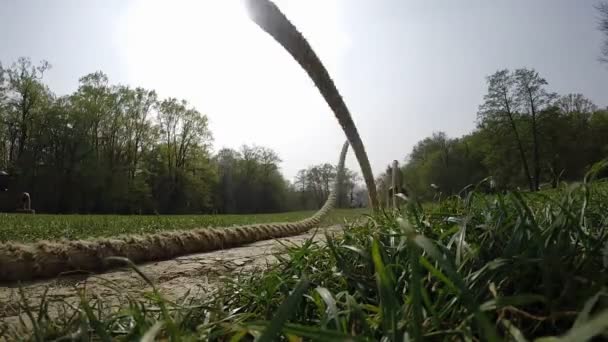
<point x="272" y="185"/>
<point x="301" y="187"/>
<point x="500" y="106"/>
<point x="227" y="164"/>
<point x="100" y="150"/>
<point x="183" y="129"/>
<point x="533" y="98"/>
<point x="439" y="164"/>
<point x="318" y="181"/>
<point x="348" y="189"/>
<point x="575" y="103"/>
<point x="314" y="184"/>
<point x="598" y="126"/>
<point x="184" y="152"/>
<point x="439" y="141"/>
<point x="602" y="8"/>
<point x="249" y="181"/>
<point x="137" y="105"/>
<point x="23" y="96"/>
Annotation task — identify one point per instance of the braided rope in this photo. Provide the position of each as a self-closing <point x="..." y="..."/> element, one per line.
<point x="269" y="18"/>
<point x="46" y="259"/>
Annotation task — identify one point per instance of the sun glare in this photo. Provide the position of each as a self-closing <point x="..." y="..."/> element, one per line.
<point x="187" y="36"/>
<point x="210" y="53"/>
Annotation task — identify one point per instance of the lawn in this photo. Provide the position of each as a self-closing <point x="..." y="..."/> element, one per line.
<point x="26" y="228"/>
<point x="512" y="267"/>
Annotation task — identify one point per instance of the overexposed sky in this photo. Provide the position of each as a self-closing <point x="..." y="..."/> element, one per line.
<point x="405" y="68"/>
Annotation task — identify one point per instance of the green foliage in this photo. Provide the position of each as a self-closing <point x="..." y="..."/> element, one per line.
<point x="246" y="177"/>
<point x="115" y="149"/>
<point x="312" y="186"/>
<point x="447" y="164"/>
<point x="526" y="137"/>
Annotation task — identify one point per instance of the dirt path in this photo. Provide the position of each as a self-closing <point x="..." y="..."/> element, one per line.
<point x="196" y="273"/>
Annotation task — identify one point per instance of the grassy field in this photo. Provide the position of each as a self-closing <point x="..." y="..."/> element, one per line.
<point x="512" y="267"/>
<point x="26" y="228"/>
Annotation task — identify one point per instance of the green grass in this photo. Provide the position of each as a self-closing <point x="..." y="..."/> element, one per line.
<point x="27" y="228"/>
<point x="515" y="267"/>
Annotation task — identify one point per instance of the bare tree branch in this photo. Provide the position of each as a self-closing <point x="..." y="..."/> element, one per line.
<point x="602" y="8"/>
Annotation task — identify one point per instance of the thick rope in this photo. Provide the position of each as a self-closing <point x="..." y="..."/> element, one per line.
<point x="268" y="17"/>
<point x="46" y="259"/>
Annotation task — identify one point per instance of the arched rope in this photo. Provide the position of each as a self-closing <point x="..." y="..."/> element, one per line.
<point x="268" y="16"/>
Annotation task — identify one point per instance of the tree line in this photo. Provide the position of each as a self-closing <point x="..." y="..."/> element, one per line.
<point x="527" y="137"/>
<point x="116" y="149"/>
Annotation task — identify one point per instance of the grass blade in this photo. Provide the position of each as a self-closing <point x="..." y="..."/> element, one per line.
<point x="330" y="302"/>
<point x="287" y="308"/>
<point x="585" y="331"/>
<point x="150" y="335"/>
<point x="388" y="298"/>
<point x="429" y="247"/>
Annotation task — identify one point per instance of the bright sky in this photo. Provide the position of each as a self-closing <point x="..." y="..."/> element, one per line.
<point x="406" y="68"/>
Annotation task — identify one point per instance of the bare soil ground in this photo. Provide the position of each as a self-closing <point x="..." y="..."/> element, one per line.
<point x="192" y="274"/>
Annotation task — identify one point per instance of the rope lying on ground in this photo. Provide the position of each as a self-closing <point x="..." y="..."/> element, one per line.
<point x="45" y="259"/>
